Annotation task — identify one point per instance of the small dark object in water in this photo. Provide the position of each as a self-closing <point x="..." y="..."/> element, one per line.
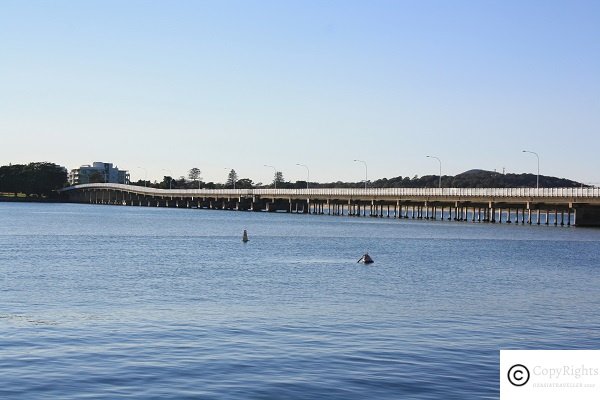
<point x="366" y="259"/>
<point x="245" y="236"/>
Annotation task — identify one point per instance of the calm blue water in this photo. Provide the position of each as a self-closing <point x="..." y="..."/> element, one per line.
<point x="128" y="302"/>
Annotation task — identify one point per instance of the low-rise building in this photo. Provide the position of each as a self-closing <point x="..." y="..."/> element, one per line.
<point x="98" y="172"/>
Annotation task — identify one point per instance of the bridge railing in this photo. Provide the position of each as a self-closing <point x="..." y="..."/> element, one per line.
<point x="574" y="193"/>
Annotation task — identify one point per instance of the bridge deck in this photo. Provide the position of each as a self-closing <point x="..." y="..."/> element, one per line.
<point x="484" y="204"/>
<point x="586" y="195"/>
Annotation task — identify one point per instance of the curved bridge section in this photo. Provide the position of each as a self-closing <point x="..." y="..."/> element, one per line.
<point x="557" y="206"/>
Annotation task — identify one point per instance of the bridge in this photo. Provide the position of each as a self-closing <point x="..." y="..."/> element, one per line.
<point x="549" y="206"/>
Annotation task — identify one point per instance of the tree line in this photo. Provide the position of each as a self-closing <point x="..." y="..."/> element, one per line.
<point x="44" y="179"/>
<point x="40" y="179"/>
<point x="194" y="181"/>
<point x="478" y="178"/>
<point x="470" y="179"/>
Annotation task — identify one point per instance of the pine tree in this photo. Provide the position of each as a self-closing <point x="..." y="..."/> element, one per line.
<point x="231" y="179"/>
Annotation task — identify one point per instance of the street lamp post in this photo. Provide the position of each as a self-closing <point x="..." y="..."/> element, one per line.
<point x="274" y="174"/>
<point x="170" y="177"/>
<point x="366" y="171"/>
<point x="440" y="161"/>
<point x="307" y="173"/>
<point x="538" y="166"/>
<point x="145" y="174"/>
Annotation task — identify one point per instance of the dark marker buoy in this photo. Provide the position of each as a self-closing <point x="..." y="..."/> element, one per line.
<point x="366" y="259"/>
<point x="245" y="236"/>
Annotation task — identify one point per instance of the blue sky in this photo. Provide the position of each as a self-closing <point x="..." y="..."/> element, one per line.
<point x="239" y="84"/>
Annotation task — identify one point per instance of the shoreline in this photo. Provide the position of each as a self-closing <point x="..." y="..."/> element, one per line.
<point x="6" y="199"/>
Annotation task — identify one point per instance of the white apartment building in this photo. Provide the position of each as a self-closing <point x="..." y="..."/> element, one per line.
<point x="98" y="172"/>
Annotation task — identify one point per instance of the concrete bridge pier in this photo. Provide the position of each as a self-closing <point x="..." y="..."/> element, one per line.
<point x="522" y="216"/>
